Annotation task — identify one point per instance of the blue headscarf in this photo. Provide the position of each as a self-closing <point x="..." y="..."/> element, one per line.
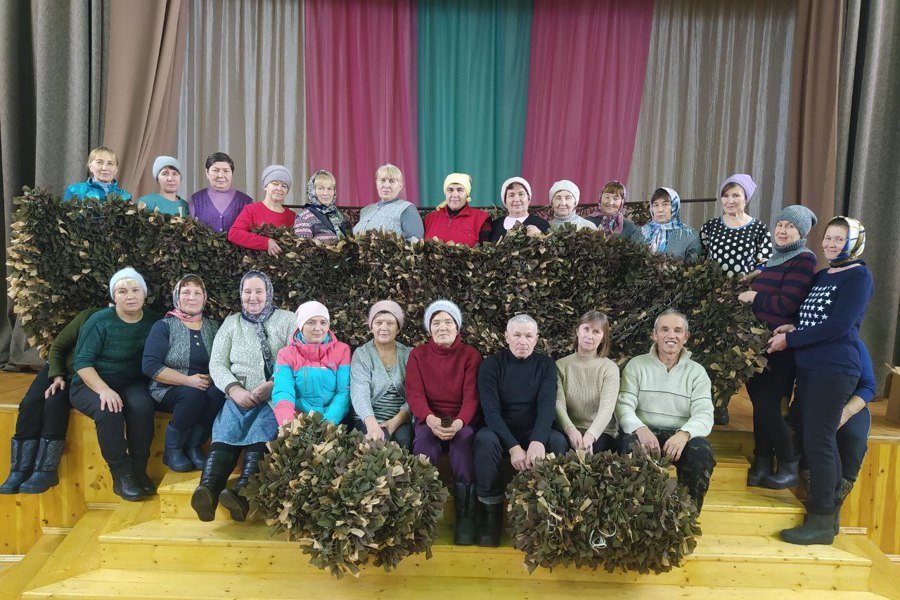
<point x="656" y="235"/>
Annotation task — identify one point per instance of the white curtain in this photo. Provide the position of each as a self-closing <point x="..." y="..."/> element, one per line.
<point x="243" y="92"/>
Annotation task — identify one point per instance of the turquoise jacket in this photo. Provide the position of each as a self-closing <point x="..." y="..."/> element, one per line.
<point x="92" y="189"/>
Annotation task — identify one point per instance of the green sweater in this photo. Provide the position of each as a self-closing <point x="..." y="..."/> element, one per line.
<point x="113" y="347"/>
<point x="586" y="391"/>
<point x="62" y="350"/>
<point x="677" y="399"/>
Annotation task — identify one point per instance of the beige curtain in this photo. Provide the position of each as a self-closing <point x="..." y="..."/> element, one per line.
<point x="243" y="91"/>
<point x="715" y="102"/>
<point x="147" y="41"/>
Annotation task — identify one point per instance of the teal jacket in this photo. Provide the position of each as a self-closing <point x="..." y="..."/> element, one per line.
<point x="92" y="189"/>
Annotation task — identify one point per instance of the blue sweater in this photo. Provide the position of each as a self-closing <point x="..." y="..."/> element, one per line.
<point x="865" y="389"/>
<point x="827" y="336"/>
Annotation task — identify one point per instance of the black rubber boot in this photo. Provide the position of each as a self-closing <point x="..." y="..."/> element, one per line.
<point x="173" y="452"/>
<point x="843" y="492"/>
<point x="46" y="468"/>
<point x="490" y="524"/>
<point x="232" y="499"/>
<point x="720" y="415"/>
<point x="21" y="463"/>
<point x="464" y="501"/>
<point x="127" y="487"/>
<point x="194" y="451"/>
<point x="817" y="529"/>
<point x="786" y="476"/>
<point x="762" y="466"/>
<point x="218" y="467"/>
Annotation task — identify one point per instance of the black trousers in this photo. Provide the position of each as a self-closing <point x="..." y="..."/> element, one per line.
<point x="490" y="456"/>
<point x="41" y="417"/>
<point x="767" y="391"/>
<point x="694" y="467"/>
<point x="122" y="455"/>
<point x="191" y="407"/>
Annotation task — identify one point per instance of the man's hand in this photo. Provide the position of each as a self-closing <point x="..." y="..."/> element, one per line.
<point x="647" y="439"/>
<point x="110" y="400"/>
<point x="588" y="441"/>
<point x="518" y="458"/>
<point x="575" y="439"/>
<point x="535" y="453"/>
<point x="675" y="445"/>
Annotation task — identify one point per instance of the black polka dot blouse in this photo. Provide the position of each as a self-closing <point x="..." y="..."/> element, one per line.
<point x="738" y="249"/>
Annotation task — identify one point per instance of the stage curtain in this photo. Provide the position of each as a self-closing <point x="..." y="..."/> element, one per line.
<point x="147" y="45"/>
<point x="588" y="62"/>
<point x="360" y="95"/>
<point x="473" y="92"/>
<point x="716" y="98"/>
<point x="53" y="64"/>
<point x="242" y="92"/>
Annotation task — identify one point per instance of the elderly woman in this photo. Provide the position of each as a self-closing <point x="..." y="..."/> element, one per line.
<point x="219" y="204"/>
<point x="167" y="173"/>
<point x="737" y="241"/>
<point x="829" y="367"/>
<point x="276" y="181"/>
<point x="110" y="388"/>
<point x="610" y="215"/>
<point x="103" y="164"/>
<point x="587" y="387"/>
<point x="176" y="359"/>
<point x="390" y="213"/>
<point x="378" y="379"/>
<point x="242" y="364"/>
<point x="516" y="196"/>
<point x="442" y="391"/>
<point x="665" y="233"/>
<point x="320" y="219"/>
<point x="454" y="220"/>
<point x="775" y="295"/>
<point x="40" y="436"/>
<point x="564" y="196"/>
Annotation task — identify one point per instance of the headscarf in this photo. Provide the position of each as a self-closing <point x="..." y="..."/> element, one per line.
<point x="803" y="220"/>
<point x="615" y="222"/>
<point x="176" y="301"/>
<point x="656" y="235"/>
<point x="855" y="244"/>
<point x="259" y="320"/>
<point x="330" y="212"/>
<point x="462" y="179"/>
<point x="511" y="181"/>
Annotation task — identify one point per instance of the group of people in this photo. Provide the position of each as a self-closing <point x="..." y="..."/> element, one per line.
<point x="240" y="381"/>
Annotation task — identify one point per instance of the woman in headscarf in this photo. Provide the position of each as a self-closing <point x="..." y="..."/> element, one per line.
<point x="564" y="196"/>
<point x="454" y="220"/>
<point x="665" y="233"/>
<point x="610" y="215"/>
<point x="320" y="219"/>
<point x="103" y="164"/>
<point x="176" y="358"/>
<point x="829" y="367"/>
<point x="276" y="181"/>
<point x="242" y="364"/>
<point x="515" y="193"/>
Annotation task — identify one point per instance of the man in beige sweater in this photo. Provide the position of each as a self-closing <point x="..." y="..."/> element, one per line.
<point x="665" y="404"/>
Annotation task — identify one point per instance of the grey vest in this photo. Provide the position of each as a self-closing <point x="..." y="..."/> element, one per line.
<point x="382" y="216"/>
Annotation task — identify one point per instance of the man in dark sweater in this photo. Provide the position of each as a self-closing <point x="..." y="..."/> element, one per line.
<point x="517" y="389"/>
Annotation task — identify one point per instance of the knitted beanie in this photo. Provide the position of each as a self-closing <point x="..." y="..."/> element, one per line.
<point x="511" y="181"/>
<point x="802" y="218"/>
<point x="743" y="180"/>
<point x="126" y="273"/>
<point x="446" y="306"/>
<point x="308" y="310"/>
<point x="277" y="173"/>
<point x="162" y="162"/>
<point x="569" y="186"/>
<point x="388" y="306"/>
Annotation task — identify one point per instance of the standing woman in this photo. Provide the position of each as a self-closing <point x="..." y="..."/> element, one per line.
<point x="390" y="213"/>
<point x="515" y="193"/>
<point x="611" y="207"/>
<point x="110" y="388"/>
<point x="241" y="365"/>
<point x="587" y="388"/>
<point x="219" y="204"/>
<point x="828" y="368"/>
<point x="320" y="219"/>
<point x="276" y="181"/>
<point x="564" y="196"/>
<point x="665" y="233"/>
<point x="454" y="220"/>
<point x="167" y="173"/>
<point x="378" y="379"/>
<point x="176" y="359"/>
<point x="103" y="164"/>
<point x="736" y="240"/>
<point x="775" y="295"/>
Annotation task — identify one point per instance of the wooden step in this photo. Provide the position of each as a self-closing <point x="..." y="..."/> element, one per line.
<point x="754" y="511"/>
<point x="14" y="577"/>
<point x="109" y="584"/>
<point x="723" y="560"/>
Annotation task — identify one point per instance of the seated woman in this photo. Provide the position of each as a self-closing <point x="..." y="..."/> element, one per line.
<point x="610" y="215"/>
<point x="564" y="196"/>
<point x="442" y="391"/>
<point x="312" y="373"/>
<point x="176" y="359"/>
<point x="665" y="233"/>
<point x="40" y="436"/>
<point x="378" y="379"/>
<point x="587" y="388"/>
<point x="219" y="204"/>
<point x="276" y="180"/>
<point x="110" y="388"/>
<point x="737" y="241"/>
<point x="454" y="220"/>
<point x="167" y="173"/>
<point x="390" y="213"/>
<point x="320" y="219"/>
<point x="516" y="196"/>
<point x="241" y="365"/>
<point x="103" y="165"/>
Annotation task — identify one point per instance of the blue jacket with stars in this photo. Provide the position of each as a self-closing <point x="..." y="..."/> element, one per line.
<point x="827" y="335"/>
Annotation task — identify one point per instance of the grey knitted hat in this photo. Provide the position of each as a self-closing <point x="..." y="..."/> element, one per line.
<point x="162" y="162"/>
<point x="446" y="306"/>
<point x="277" y="173"/>
<point x="802" y="218"/>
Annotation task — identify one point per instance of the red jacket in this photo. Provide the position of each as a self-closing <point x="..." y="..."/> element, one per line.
<point x="254" y="215"/>
<point x="463" y="228"/>
<point x="443" y="381"/>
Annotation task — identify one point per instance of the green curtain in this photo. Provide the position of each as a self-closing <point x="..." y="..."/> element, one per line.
<point x="473" y="93"/>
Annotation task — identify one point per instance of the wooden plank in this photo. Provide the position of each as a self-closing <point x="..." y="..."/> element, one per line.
<point x="884" y="574"/>
<point x="15" y="577"/>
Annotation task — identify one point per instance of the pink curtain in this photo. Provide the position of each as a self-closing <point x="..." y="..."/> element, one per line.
<point x="361" y="94"/>
<point x="588" y="61"/>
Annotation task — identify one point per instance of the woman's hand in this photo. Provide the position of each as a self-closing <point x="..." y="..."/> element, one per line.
<point x="575" y="438"/>
<point x="110" y="400"/>
<point x="394" y="423"/>
<point x="518" y="458"/>
<point x="242" y="397"/>
<point x="59" y="384"/>
<point x="786" y="328"/>
<point x="263" y="391"/>
<point x="777" y="343"/>
<point x="747" y="296"/>
<point x="373" y="429"/>
<point x="199" y="381"/>
<point x="274" y="249"/>
<point x="532" y="231"/>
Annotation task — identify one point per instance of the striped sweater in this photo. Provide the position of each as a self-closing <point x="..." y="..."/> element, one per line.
<point x="780" y="290"/>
